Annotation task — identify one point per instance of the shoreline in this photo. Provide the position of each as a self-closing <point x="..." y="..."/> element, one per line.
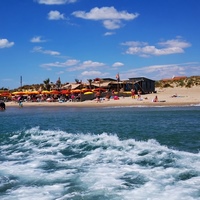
<point x="185" y="97"/>
<point x="101" y="105"/>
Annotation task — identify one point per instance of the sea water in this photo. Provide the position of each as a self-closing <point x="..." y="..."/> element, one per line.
<point x="117" y="153"/>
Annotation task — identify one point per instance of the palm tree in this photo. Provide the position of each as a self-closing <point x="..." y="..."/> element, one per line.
<point x="78" y="81"/>
<point x="47" y="85"/>
<point x="58" y="83"/>
<point x="90" y="83"/>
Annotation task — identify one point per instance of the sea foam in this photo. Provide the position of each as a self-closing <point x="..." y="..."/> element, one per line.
<point x="54" y="164"/>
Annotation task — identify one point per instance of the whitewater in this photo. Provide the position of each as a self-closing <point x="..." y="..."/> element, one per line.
<point x="55" y="154"/>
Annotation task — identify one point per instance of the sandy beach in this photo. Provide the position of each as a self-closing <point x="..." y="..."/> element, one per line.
<point x="184" y="96"/>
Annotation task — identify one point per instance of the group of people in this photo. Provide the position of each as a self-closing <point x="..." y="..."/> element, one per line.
<point x="107" y="97"/>
<point x="133" y="95"/>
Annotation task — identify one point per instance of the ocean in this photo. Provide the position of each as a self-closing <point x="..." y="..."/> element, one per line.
<point x="114" y="153"/>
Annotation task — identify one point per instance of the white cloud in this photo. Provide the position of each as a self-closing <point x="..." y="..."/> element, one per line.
<point x="158" y="72"/>
<point x="91" y="73"/>
<point x="37" y="39"/>
<point x="112" y="24"/>
<point x="90" y="63"/>
<point x="87" y="65"/>
<point x="166" y="48"/>
<point x="118" y="64"/>
<point x="50" y="52"/>
<point x="134" y="43"/>
<point x="55" y="2"/>
<point x="62" y="64"/>
<point x="176" y="42"/>
<point x="55" y="15"/>
<point x="4" y="43"/>
<point x="109" y="15"/>
<point x="109" y="33"/>
<point x="75" y="65"/>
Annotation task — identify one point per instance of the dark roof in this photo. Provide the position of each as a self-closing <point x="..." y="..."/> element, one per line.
<point x="140" y="79"/>
<point x="108" y="79"/>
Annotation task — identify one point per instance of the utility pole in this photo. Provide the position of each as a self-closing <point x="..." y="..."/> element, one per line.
<point x="21" y="81"/>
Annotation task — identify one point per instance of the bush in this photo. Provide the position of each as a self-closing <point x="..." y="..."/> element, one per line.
<point x="166" y="85"/>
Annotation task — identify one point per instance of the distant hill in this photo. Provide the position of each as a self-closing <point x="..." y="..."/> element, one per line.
<point x="187" y="82"/>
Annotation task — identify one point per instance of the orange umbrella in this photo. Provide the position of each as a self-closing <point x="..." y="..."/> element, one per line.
<point x="99" y="89"/>
<point x="76" y="91"/>
<point x="33" y="93"/>
<point x="19" y="93"/>
<point x="86" y="90"/>
<point x="55" y="92"/>
<point x="46" y="92"/>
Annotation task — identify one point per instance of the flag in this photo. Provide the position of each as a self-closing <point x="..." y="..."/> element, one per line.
<point x="117" y="77"/>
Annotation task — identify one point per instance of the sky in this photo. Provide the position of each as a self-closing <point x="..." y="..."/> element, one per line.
<point x="88" y="39"/>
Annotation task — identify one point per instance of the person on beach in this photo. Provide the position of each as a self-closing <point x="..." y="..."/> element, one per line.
<point x="20" y="100"/>
<point x="98" y="95"/>
<point x="174" y="95"/>
<point x="133" y="93"/>
<point x="108" y="96"/>
<point x="139" y="96"/>
<point x="2" y="105"/>
<point x="78" y="97"/>
<point x="155" y="99"/>
<point x="113" y="93"/>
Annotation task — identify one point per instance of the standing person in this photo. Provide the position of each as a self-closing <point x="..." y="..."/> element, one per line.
<point x="98" y="95"/>
<point x="139" y="95"/>
<point x="2" y="105"/>
<point x="20" y="101"/>
<point x="108" y="96"/>
<point x="133" y="93"/>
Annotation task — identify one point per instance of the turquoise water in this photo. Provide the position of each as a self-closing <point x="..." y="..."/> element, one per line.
<point x="117" y="153"/>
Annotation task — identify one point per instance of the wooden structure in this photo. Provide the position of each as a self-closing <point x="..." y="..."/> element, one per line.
<point x="143" y="84"/>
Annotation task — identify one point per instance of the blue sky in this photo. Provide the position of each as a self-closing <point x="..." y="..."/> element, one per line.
<point x="86" y="39"/>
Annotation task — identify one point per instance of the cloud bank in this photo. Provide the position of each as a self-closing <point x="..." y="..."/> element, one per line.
<point x="168" y="47"/>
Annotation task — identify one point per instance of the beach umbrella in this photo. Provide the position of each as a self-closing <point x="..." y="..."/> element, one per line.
<point x="46" y="92"/>
<point x="65" y="92"/>
<point x="54" y="92"/>
<point x="5" y="94"/>
<point x="76" y="91"/>
<point x="33" y="93"/>
<point x="85" y="90"/>
<point x="88" y="93"/>
<point x="19" y="93"/>
<point x="99" y="89"/>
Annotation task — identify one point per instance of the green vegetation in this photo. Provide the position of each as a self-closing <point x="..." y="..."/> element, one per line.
<point x="185" y="82"/>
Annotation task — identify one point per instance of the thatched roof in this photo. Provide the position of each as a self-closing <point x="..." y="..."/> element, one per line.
<point x="71" y="86"/>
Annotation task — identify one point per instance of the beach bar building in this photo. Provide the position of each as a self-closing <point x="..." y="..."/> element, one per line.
<point x="143" y="84"/>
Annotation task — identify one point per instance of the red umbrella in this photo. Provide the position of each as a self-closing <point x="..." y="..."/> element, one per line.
<point x="5" y="94"/>
<point x="65" y="92"/>
<point x="55" y="92"/>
